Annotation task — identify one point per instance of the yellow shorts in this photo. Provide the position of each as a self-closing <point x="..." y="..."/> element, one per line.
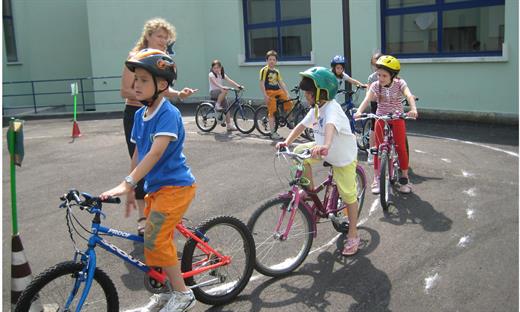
<point x="164" y="210"/>
<point x="271" y="105"/>
<point x="345" y="177"/>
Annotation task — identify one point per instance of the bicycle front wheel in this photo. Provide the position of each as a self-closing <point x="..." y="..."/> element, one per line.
<point x="262" y="121"/>
<point x="276" y="256"/>
<point x="230" y="237"/>
<point x="206" y="117"/>
<point x="385" y="187"/>
<point x="51" y="290"/>
<point x="244" y="119"/>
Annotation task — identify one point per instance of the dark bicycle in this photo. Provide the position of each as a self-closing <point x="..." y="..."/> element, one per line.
<point x="207" y="117"/>
<point x="282" y="118"/>
<point x="360" y="128"/>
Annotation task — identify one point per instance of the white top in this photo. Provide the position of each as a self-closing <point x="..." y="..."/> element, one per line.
<point x="343" y="149"/>
<point x="219" y="78"/>
<point x="342" y="82"/>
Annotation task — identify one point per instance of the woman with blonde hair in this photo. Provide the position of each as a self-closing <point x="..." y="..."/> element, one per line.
<point x="157" y="34"/>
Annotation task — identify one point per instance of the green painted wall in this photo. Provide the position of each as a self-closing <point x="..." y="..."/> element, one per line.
<point x="79" y="38"/>
<point x="52" y="42"/>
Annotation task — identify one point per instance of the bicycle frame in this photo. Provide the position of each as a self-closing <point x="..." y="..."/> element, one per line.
<point x="388" y="145"/>
<point x="89" y="257"/>
<point x="236" y="102"/>
<point x="318" y="209"/>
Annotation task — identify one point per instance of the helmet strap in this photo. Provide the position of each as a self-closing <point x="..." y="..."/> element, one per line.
<point x="155" y="94"/>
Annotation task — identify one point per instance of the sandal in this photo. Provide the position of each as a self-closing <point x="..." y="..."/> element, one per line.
<point x="351" y="247"/>
<point x="141" y="226"/>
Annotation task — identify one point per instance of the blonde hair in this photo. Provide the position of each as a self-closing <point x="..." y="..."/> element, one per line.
<point x="150" y="27"/>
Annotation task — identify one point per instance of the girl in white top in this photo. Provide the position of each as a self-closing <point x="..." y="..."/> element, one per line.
<point x="218" y="91"/>
<point x="337" y="65"/>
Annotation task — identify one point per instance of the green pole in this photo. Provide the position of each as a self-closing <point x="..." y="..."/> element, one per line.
<point x="11" y="139"/>
<point x="75" y="102"/>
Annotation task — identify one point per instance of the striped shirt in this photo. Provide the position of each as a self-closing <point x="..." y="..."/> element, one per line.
<point x="389" y="98"/>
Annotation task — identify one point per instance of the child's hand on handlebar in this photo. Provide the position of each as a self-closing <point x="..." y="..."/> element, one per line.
<point x="281" y="145"/>
<point x="413" y="113"/>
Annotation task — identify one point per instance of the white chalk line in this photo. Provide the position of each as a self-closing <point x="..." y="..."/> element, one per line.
<point x="467" y="142"/>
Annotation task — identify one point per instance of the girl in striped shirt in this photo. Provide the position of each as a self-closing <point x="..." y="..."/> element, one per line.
<point x="388" y="91"/>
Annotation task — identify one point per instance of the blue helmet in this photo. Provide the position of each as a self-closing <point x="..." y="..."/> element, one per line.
<point x="338" y="59"/>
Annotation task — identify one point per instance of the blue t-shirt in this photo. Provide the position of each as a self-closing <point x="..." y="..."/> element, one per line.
<point x="171" y="169"/>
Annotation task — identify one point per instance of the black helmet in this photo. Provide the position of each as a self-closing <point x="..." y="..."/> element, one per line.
<point x="158" y="63"/>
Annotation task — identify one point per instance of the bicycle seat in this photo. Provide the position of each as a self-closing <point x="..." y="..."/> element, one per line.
<point x="326" y="164"/>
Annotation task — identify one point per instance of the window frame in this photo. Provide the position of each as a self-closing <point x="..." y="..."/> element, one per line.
<point x="439" y="8"/>
<point x="278" y="24"/>
<point x="5" y="16"/>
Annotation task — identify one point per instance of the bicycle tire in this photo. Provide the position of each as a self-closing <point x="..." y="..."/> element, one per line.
<point x="244" y="119"/>
<point x="275" y="257"/>
<point x="225" y="245"/>
<point x="361" y="184"/>
<point x="205" y="117"/>
<point x="384" y="182"/>
<point x="262" y="121"/>
<point x="68" y="269"/>
<point x="363" y="135"/>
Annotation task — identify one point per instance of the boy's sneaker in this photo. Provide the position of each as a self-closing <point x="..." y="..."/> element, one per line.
<point x="179" y="302"/>
<point x="276" y="136"/>
<point x="156" y="303"/>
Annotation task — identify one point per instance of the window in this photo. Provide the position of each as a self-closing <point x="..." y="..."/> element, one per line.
<point x="10" y="42"/>
<point x="280" y="25"/>
<point x="442" y="28"/>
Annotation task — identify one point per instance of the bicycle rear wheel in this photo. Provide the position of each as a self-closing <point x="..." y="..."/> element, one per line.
<point x="262" y="121"/>
<point x="244" y="118"/>
<point x="385" y="185"/>
<point x="206" y="117"/>
<point x="363" y="133"/>
<point x="230" y="237"/>
<point x="274" y="256"/>
<point x="50" y="290"/>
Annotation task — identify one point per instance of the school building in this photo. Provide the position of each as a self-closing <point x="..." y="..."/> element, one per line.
<point x="460" y="57"/>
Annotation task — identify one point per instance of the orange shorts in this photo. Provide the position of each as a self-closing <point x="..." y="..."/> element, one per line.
<point x="271" y="105"/>
<point x="164" y="210"/>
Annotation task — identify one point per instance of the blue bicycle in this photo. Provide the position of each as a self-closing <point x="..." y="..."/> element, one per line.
<point x="215" y="274"/>
<point x="361" y="128"/>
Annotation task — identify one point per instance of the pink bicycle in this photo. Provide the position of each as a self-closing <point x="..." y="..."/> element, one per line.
<point x="389" y="160"/>
<point x="284" y="227"/>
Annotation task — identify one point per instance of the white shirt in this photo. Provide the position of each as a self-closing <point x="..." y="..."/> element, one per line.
<point x="342" y="82"/>
<point x="343" y="149"/>
<point x="219" y="78"/>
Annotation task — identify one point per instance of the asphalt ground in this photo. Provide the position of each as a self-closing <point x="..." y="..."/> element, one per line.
<point x="451" y="245"/>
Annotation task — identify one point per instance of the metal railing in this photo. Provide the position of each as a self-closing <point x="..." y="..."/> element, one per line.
<point x="54" y="95"/>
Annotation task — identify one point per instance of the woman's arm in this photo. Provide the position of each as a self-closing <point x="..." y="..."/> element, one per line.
<point x="127" y="83"/>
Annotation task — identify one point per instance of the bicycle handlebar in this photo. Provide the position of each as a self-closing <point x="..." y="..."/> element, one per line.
<point x="386" y="117"/>
<point x="284" y="150"/>
<point x="89" y="202"/>
<point x="350" y="92"/>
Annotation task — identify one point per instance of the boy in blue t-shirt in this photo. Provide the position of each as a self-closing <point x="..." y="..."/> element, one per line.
<point x="158" y="133"/>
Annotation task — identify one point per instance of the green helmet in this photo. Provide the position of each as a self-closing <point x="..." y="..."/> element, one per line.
<point x="324" y="80"/>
